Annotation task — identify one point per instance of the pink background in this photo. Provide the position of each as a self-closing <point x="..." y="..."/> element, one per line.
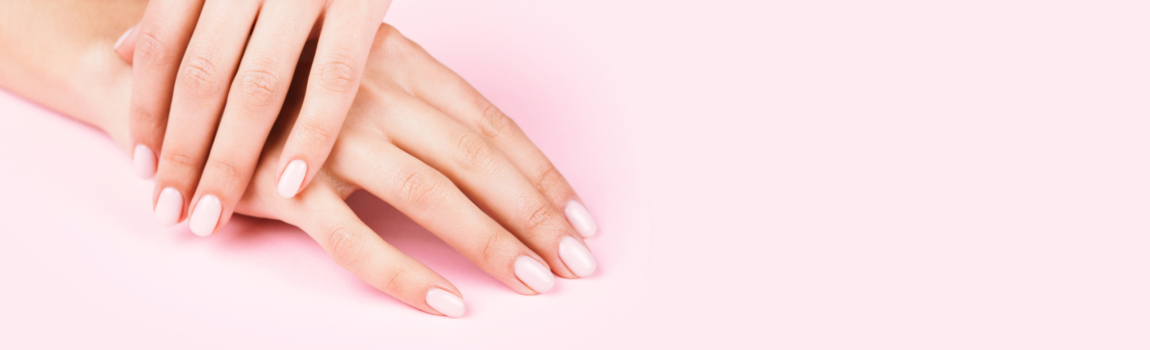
<point x="812" y="174"/>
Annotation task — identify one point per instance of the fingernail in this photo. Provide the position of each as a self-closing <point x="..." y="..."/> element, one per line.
<point x="205" y="216"/>
<point x="580" y="218"/>
<point x="534" y="274"/>
<point x="445" y="302"/>
<point x="576" y="256"/>
<point x="292" y="178"/>
<point x="123" y="36"/>
<point x="145" y="161"/>
<point x="169" y="206"/>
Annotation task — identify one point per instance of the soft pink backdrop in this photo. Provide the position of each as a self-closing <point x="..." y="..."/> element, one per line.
<point x="814" y="174"/>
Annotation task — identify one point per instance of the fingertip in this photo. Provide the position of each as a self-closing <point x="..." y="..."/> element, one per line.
<point x="534" y="274"/>
<point x="580" y="218"/>
<point x="206" y="216"/>
<point x="577" y="257"/>
<point x="126" y="44"/>
<point x="145" y="161"/>
<point x="291" y="181"/>
<point x="169" y="206"/>
<point x="446" y="303"/>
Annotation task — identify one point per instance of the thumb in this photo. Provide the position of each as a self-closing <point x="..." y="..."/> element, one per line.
<point x="126" y="45"/>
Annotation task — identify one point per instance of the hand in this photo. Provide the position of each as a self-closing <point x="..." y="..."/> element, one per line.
<point x="422" y="139"/>
<point x="205" y="95"/>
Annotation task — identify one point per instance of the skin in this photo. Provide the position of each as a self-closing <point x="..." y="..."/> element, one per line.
<point x="416" y="135"/>
<point x="210" y="78"/>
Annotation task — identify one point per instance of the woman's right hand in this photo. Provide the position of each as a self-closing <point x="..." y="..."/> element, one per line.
<point x="209" y="79"/>
<point x="423" y="140"/>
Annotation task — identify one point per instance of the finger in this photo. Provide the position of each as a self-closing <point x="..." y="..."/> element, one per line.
<point x="125" y="46"/>
<point x="341" y="53"/>
<point x="492" y="181"/>
<point x="160" y="40"/>
<point x="198" y="99"/>
<point x="358" y="249"/>
<point x="431" y="200"/>
<point x="253" y="103"/>
<point x="449" y="93"/>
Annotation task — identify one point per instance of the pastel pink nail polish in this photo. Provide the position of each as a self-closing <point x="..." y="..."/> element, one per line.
<point x="169" y="207"/>
<point x="445" y="302"/>
<point x="577" y="257"/>
<point x="534" y="274"/>
<point x="120" y="41"/>
<point x="205" y="216"/>
<point x="292" y="178"/>
<point x="145" y="161"/>
<point x="580" y="218"/>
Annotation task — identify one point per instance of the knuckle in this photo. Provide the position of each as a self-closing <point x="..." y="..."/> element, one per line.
<point x="419" y="190"/>
<point x="258" y="86"/>
<point x="227" y="168"/>
<point x="474" y="153"/>
<point x="395" y="281"/>
<point x="388" y="35"/>
<point x="389" y="42"/>
<point x="492" y="247"/>
<point x="539" y="215"/>
<point x="493" y="123"/>
<point x="180" y="160"/>
<point x="389" y="50"/>
<point x="549" y="178"/>
<point x="313" y="134"/>
<point x="140" y="113"/>
<point x="201" y="73"/>
<point x="343" y="244"/>
<point x="338" y="73"/>
<point x="150" y="46"/>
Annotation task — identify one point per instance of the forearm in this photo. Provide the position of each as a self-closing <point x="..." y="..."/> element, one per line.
<point x="58" y="53"/>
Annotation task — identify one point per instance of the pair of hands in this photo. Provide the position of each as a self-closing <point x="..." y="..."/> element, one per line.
<point x="209" y="79"/>
<point x="422" y="139"/>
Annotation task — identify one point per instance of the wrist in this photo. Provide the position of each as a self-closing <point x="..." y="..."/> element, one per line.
<point x="62" y="58"/>
<point x="103" y="84"/>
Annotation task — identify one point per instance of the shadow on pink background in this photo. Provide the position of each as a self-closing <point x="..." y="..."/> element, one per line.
<point x="818" y="174"/>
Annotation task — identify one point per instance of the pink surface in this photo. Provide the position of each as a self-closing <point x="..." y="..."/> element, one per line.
<point x="817" y="174"/>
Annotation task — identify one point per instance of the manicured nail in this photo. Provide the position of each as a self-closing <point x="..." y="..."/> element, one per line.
<point x="576" y="256"/>
<point x="169" y="207"/>
<point x="205" y="216"/>
<point x="580" y="218"/>
<point x="534" y="274"/>
<point x="292" y="178"/>
<point x="145" y="161"/>
<point x="445" y="302"/>
<point x="123" y="36"/>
